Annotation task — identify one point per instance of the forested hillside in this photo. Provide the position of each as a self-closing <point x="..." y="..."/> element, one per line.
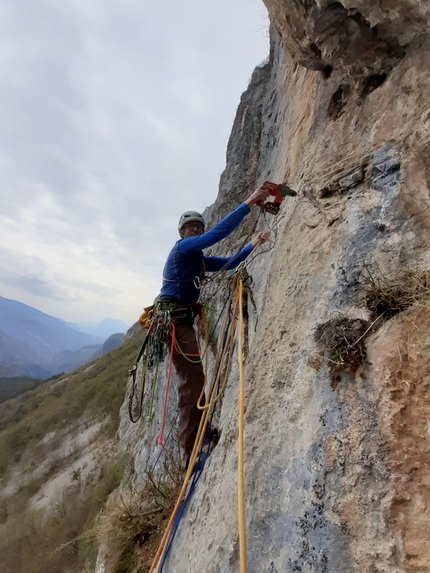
<point x="59" y="461"/>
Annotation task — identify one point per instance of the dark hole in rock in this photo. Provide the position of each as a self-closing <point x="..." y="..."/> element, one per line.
<point x="314" y="48"/>
<point x="338" y="101"/>
<point x="326" y="72"/>
<point x="372" y="82"/>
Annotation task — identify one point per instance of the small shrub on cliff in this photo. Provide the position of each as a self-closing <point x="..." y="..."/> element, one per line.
<point x="341" y="344"/>
<point x="385" y="297"/>
<point x="134" y="521"/>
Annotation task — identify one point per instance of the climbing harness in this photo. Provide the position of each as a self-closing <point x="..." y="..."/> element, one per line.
<point x="206" y="403"/>
<point x="160" y="336"/>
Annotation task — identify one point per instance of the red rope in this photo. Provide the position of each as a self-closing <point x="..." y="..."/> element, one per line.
<point x="185" y="353"/>
<point x="173" y="346"/>
<point x="160" y="440"/>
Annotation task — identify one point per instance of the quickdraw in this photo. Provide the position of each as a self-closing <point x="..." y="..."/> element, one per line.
<point x="161" y="333"/>
<point x="132" y="374"/>
<point x="152" y="352"/>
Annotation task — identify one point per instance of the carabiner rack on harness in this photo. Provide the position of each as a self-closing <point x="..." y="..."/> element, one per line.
<point x="152" y="352"/>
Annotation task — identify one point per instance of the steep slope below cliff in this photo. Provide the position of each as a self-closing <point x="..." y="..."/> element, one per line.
<point x="59" y="461"/>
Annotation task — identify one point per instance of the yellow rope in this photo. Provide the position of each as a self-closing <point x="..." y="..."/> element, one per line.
<point x="212" y="397"/>
<point x="187" y="358"/>
<point x="227" y="348"/>
<point x="240" y="460"/>
<point x="204" y="320"/>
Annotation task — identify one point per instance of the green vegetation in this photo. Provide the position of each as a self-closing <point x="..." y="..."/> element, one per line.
<point x="92" y="392"/>
<point x="14" y="386"/>
<point x="33" y="541"/>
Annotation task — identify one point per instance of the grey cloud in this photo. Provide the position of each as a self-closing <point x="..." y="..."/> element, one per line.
<point x="30" y="274"/>
<point x="35" y="285"/>
<point x="118" y="113"/>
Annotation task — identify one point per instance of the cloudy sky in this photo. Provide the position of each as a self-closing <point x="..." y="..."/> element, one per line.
<point x="114" y="119"/>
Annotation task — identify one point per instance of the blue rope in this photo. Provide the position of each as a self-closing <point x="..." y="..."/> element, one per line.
<point x="198" y="470"/>
<point x="200" y="464"/>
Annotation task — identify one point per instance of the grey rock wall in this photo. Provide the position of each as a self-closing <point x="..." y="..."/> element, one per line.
<point x="356" y="36"/>
<point x="336" y="479"/>
<point x="319" y="473"/>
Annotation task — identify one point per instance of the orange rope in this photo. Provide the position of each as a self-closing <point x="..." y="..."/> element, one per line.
<point x="160" y="440"/>
<point x="210" y="401"/>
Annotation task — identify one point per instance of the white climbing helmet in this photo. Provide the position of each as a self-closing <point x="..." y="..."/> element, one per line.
<point x="189" y="217"/>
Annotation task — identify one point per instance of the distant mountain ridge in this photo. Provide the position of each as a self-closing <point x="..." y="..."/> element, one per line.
<point x="105" y="328"/>
<point x="33" y="343"/>
<point x="110" y="344"/>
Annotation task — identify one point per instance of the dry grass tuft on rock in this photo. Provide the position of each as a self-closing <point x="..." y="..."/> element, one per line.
<point x="341" y="344"/>
<point x="385" y="297"/>
<point x="134" y="521"/>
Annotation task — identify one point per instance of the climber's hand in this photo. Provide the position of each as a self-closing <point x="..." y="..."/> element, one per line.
<point x="260" y="194"/>
<point x="260" y="238"/>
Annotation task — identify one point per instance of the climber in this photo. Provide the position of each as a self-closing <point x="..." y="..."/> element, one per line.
<point x="185" y="267"/>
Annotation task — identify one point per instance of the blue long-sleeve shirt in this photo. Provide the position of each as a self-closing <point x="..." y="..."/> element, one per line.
<point x="187" y="261"/>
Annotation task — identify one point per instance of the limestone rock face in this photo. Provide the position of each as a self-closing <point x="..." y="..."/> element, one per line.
<point x="353" y="35"/>
<point x="336" y="471"/>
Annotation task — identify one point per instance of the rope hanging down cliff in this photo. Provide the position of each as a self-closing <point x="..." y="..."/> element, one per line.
<point x="183" y="262"/>
<point x="218" y="381"/>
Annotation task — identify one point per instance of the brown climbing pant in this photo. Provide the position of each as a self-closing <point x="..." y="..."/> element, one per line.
<point x="191" y="382"/>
